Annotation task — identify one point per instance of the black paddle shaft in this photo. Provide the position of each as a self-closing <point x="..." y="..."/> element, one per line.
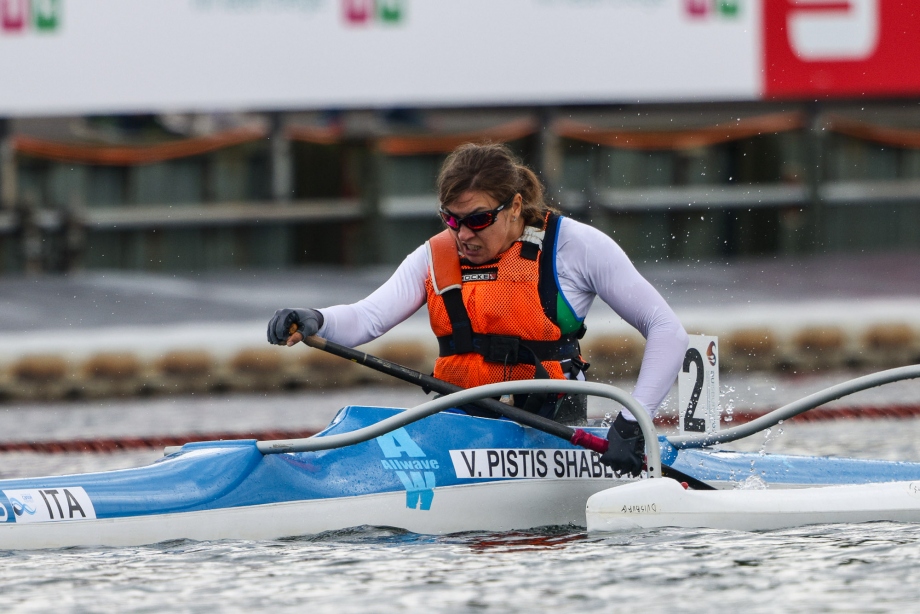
<point x="509" y="411"/>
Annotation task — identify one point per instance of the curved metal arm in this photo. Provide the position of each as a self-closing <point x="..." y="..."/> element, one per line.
<point x="797" y="407"/>
<point x="310" y="444"/>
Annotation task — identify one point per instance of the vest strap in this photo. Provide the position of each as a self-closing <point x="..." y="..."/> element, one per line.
<point x="444" y="263"/>
<point x="529" y="251"/>
<point x="462" y="337"/>
<point x="513" y="350"/>
<point x="447" y="280"/>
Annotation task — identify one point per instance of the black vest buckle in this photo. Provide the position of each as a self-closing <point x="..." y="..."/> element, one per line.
<point x="503" y="350"/>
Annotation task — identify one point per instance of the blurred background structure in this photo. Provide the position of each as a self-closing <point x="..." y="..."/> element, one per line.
<point x="685" y="128"/>
<point x="196" y="136"/>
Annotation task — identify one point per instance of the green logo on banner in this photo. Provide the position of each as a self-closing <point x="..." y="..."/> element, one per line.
<point x="389" y="11"/>
<point x="46" y="14"/>
<point x="729" y="8"/>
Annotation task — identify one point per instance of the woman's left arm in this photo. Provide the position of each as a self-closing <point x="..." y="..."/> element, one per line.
<point x="593" y="262"/>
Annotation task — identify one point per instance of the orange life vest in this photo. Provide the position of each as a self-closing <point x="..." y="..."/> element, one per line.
<point x="498" y="320"/>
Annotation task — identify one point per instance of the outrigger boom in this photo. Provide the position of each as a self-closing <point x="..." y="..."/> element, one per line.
<point x="463" y="397"/>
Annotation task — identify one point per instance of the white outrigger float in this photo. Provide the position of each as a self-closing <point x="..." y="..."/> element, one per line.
<point x="832" y="490"/>
<point x="430" y="471"/>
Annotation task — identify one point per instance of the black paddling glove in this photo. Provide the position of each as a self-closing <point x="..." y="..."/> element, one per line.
<point x="308" y="321"/>
<point x="626" y="451"/>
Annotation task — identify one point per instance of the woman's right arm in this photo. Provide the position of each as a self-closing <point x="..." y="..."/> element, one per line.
<point x="397" y="299"/>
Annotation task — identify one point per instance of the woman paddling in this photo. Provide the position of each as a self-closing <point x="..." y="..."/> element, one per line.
<point x="508" y="284"/>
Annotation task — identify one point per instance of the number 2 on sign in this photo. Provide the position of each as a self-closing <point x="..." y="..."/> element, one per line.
<point x="691" y="423"/>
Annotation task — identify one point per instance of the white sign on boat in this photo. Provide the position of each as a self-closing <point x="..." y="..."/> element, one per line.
<point x="698" y="387"/>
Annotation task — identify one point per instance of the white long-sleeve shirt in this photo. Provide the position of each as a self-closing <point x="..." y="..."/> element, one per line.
<point x="588" y="264"/>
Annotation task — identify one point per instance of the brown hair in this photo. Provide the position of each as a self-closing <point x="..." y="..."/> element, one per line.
<point x="493" y="169"/>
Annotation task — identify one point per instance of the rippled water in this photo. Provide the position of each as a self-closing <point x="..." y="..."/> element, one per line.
<point x="834" y="568"/>
<point x="867" y="568"/>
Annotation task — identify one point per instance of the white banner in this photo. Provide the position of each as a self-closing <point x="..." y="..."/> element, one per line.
<point x="97" y="56"/>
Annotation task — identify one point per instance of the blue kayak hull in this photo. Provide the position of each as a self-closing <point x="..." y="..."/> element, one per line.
<point x="447" y="473"/>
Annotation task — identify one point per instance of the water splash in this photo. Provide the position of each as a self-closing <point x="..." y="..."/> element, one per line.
<point x="727" y="403"/>
<point x="753" y="482"/>
<point x="767" y="433"/>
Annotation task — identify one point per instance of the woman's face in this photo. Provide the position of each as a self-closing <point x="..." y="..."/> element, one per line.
<point x="486" y="244"/>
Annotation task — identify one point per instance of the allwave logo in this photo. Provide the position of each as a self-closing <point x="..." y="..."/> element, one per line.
<point x="419" y="483"/>
<point x="21" y="16"/>
<point x="366" y="12"/>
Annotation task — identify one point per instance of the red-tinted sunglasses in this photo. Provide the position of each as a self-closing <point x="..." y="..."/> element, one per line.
<point x="474" y="221"/>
